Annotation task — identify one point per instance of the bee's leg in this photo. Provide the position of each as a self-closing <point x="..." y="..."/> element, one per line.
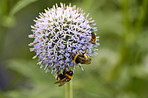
<point x="81" y="67"/>
<point x="68" y="79"/>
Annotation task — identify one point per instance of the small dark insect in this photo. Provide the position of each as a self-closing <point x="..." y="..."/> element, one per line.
<point x="93" y="38"/>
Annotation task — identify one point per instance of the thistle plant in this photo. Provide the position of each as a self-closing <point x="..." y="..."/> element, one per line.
<point x="59" y="32"/>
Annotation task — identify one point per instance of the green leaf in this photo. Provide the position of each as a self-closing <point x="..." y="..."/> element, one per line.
<point x="38" y="91"/>
<point x="20" y="5"/>
<point x="42" y="83"/>
<point x="31" y="70"/>
<point x="9" y="21"/>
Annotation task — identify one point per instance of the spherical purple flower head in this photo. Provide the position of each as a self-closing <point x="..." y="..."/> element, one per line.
<point x="59" y="32"/>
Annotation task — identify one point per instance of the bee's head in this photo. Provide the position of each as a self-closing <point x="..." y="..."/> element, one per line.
<point x="89" y="61"/>
<point x="70" y="73"/>
<point x="73" y="55"/>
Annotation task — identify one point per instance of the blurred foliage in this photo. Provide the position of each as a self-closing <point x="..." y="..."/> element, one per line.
<point x="120" y="69"/>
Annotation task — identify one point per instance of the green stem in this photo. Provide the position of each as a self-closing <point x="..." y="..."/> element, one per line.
<point x="123" y="52"/>
<point x="125" y="9"/>
<point x="142" y="16"/>
<point x="69" y="89"/>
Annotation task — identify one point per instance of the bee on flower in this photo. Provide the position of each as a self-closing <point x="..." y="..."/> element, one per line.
<point x="63" y="38"/>
<point x="64" y="77"/>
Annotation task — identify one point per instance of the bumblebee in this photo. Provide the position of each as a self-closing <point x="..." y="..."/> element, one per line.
<point x="93" y="38"/>
<point x="80" y="58"/>
<point x="64" y="77"/>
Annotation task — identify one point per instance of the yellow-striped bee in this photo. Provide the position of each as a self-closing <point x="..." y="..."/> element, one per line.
<point x="66" y="76"/>
<point x="80" y="58"/>
<point x="93" y="38"/>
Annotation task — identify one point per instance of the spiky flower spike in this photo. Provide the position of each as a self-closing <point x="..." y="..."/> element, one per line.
<point x="59" y="32"/>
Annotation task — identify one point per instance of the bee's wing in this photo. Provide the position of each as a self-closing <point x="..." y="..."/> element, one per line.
<point x="60" y="81"/>
<point x="81" y="59"/>
<point x="63" y="81"/>
<point x="57" y="82"/>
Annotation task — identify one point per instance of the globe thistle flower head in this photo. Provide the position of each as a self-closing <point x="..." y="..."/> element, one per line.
<point x="57" y="33"/>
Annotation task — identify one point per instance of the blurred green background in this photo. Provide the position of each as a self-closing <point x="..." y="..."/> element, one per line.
<point x="119" y="70"/>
